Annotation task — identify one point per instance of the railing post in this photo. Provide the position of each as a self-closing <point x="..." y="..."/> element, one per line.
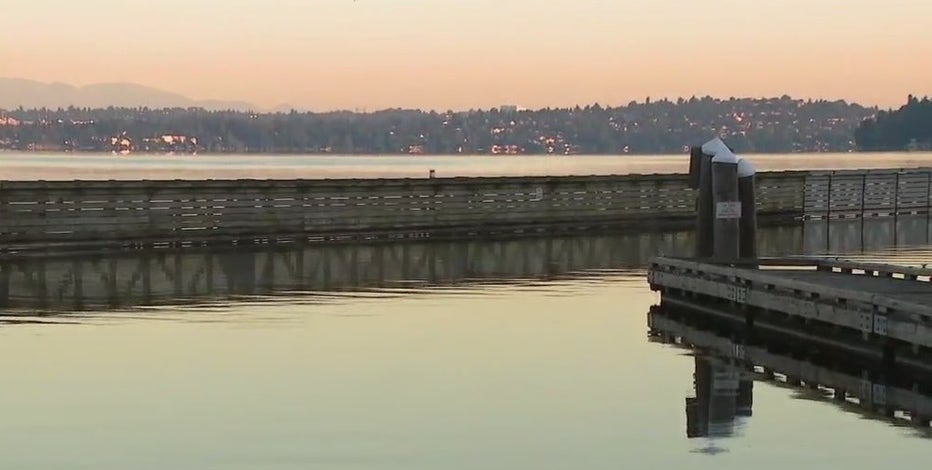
<point x="896" y="194"/>
<point x="927" y="203"/>
<point x="863" y="193"/>
<point x="863" y="210"/>
<point x="896" y="207"/>
<point x="805" y="195"/>
<point x="828" y="212"/>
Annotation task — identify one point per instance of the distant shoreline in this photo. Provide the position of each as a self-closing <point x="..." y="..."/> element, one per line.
<point x="778" y="125"/>
<point x="425" y="155"/>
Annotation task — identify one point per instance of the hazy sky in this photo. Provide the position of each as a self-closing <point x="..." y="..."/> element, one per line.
<point x="370" y="54"/>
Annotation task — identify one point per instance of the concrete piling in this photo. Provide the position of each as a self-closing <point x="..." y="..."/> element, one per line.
<point x="725" y="228"/>
<point x="726" y="206"/>
<point x="702" y="163"/>
<point x="695" y="160"/>
<point x="748" y="221"/>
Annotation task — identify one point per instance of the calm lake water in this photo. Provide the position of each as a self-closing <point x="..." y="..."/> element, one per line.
<point x="57" y="166"/>
<point x="511" y="354"/>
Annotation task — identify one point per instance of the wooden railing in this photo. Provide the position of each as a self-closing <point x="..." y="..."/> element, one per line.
<point x="39" y="212"/>
<point x="87" y="212"/>
<point x="867" y="193"/>
<point x="159" y="211"/>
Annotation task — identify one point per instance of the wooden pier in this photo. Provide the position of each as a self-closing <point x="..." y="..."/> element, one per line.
<point x="147" y="212"/>
<point x="879" y="304"/>
<point x="49" y="214"/>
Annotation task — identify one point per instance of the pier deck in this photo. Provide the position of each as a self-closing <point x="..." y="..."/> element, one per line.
<point x="884" y="303"/>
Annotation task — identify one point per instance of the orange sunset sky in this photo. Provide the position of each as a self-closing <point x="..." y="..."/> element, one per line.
<point x="460" y="54"/>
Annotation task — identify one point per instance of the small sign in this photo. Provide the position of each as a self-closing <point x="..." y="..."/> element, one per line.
<point x="738" y="351"/>
<point x="728" y="210"/>
<point x="880" y="324"/>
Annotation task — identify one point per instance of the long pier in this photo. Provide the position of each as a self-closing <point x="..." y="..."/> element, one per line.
<point x="51" y="214"/>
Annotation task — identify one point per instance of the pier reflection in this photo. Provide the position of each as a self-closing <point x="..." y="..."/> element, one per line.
<point x="729" y="359"/>
<point x="866" y="234"/>
<point x="178" y="276"/>
<point x="172" y="276"/>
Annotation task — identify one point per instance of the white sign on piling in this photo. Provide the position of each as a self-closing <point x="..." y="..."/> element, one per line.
<point x="728" y="210"/>
<point x="725" y="228"/>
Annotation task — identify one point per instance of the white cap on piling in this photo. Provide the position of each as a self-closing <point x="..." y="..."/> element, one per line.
<point x="725" y="156"/>
<point x="745" y="168"/>
<point x="714" y="147"/>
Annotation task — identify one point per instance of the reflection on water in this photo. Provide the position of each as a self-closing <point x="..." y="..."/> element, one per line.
<point x="316" y="272"/>
<point x="320" y="273"/>
<point x="723" y="392"/>
<point x="518" y="354"/>
<point x="728" y="359"/>
<point x="846" y="236"/>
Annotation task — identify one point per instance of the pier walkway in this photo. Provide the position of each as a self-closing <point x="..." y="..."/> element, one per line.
<point x="885" y="304"/>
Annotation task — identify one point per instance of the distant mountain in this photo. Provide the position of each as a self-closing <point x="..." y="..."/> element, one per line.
<point x="15" y="92"/>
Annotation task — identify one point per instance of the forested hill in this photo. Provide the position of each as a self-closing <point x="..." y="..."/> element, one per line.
<point x="650" y="127"/>
<point x="909" y="127"/>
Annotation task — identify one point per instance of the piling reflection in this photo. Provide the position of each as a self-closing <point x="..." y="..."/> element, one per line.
<point x="729" y="358"/>
<point x="723" y="393"/>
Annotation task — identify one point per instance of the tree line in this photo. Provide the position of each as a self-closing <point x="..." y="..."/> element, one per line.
<point x="909" y="127"/>
<point x="780" y="124"/>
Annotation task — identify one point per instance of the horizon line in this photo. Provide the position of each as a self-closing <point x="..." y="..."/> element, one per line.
<point x="288" y="107"/>
<point x="284" y="109"/>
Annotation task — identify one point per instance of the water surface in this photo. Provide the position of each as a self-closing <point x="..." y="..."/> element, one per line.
<point x="89" y="166"/>
<point x="496" y="360"/>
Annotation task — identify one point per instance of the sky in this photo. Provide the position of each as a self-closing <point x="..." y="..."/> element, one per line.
<point x="463" y="54"/>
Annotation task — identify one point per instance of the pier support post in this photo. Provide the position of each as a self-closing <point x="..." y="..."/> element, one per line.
<point x="695" y="161"/>
<point x="700" y="169"/>
<point x="748" y="222"/>
<point x="726" y="229"/>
